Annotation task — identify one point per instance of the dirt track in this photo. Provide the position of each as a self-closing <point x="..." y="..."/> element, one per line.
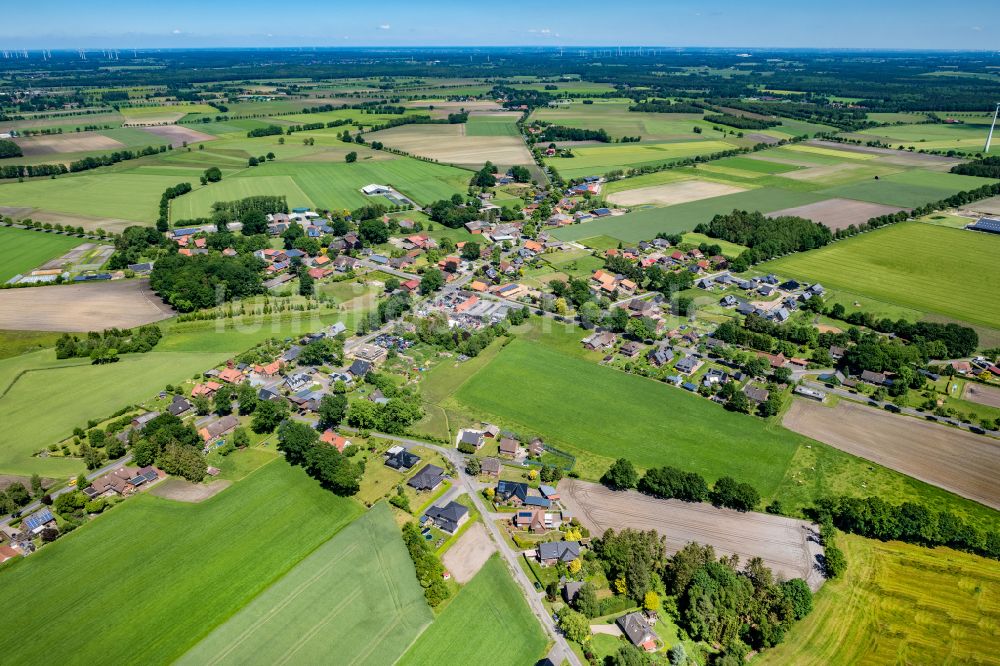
<point x="468" y="555"/>
<point x="838" y="213"/>
<point x="783" y="543"/>
<point x="673" y="193"/>
<point x="959" y="461"/>
<point x="81" y="307"/>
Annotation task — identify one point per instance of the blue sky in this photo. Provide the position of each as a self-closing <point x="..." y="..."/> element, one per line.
<point x="888" y="24"/>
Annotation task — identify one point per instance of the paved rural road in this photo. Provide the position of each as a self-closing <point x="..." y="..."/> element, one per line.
<point x="26" y="510"/>
<point x="890" y="407"/>
<point x="561" y="650"/>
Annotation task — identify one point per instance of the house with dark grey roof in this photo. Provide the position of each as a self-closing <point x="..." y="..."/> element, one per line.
<point x="360" y="368"/>
<point x="448" y="518"/>
<point x="757" y="395"/>
<point x="402" y="460"/>
<point x="638" y="631"/>
<point x="687" y="365"/>
<point x="557" y="551"/>
<point x="491" y="466"/>
<point x="570" y="590"/>
<point x="474" y="438"/>
<point x="877" y="378"/>
<point x="513" y="492"/>
<point x="179" y="405"/>
<point x="428" y="478"/>
<point x="38" y="521"/>
<point x="660" y="356"/>
<point x="988" y="224"/>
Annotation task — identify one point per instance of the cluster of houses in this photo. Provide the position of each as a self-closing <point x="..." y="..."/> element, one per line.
<point x="657" y="252"/>
<point x="783" y="298"/>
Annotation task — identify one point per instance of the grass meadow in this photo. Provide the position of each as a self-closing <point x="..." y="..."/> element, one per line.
<point x="124" y="196"/>
<point x="146" y="582"/>
<point x="353" y="600"/>
<point x="42" y="399"/>
<point x="492" y="125"/>
<point x="599" y="159"/>
<point x="899" y="603"/>
<point x="928" y="268"/>
<point x="22" y="251"/>
<point x="908" y="188"/>
<point x="969" y="136"/>
<point x="591" y="409"/>
<point x="489" y="620"/>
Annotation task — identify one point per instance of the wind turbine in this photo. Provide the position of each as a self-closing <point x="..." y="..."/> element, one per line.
<point x="989" y="137"/>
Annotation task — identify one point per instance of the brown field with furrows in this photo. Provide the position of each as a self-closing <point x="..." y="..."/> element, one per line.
<point x="984" y="395"/>
<point x="763" y="138"/>
<point x="955" y="460"/>
<point x="178" y="134"/>
<point x="821" y="172"/>
<point x="468" y="555"/>
<point x="789" y="547"/>
<point x="989" y="206"/>
<point x="673" y="193"/>
<point x="838" y="213"/>
<point x="892" y="156"/>
<point x="81" y="307"/>
<point x="66" y="143"/>
<point x="450" y="144"/>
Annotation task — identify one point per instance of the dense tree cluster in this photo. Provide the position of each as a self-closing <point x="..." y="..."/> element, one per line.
<point x="671" y="483"/>
<point x="987" y="167"/>
<point x="9" y="149"/>
<point x="402" y="410"/>
<point x="765" y="236"/>
<point x="135" y="341"/>
<point x="335" y="471"/>
<point x="229" y="211"/>
<point x="428" y="567"/>
<point x="133" y="243"/>
<point x="434" y="330"/>
<point x="172" y="445"/>
<point x="453" y="213"/>
<point x="818" y="111"/>
<point x="163" y="220"/>
<point x="560" y="133"/>
<point x="202" y="281"/>
<point x="738" y="609"/>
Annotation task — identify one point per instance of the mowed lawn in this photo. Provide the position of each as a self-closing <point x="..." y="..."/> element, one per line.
<point x="22" y="251"/>
<point x="489" y="621"/>
<point x="644" y="224"/>
<point x="899" y="603"/>
<point x="127" y="196"/>
<point x="148" y="580"/>
<point x="44" y="399"/>
<point x="354" y="600"/>
<point x="930" y="268"/>
<point x="584" y="407"/>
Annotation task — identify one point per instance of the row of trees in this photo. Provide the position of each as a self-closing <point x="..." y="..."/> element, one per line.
<point x="428" y="567"/>
<point x="672" y="483"/>
<point x="163" y="219"/>
<point x="988" y="167"/>
<point x="910" y="521"/>
<point x="85" y="164"/>
<point x="741" y="122"/>
<point x="664" y="106"/>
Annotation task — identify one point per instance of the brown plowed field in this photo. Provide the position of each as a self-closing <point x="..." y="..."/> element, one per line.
<point x="178" y="134"/>
<point x="67" y="143"/>
<point x="838" y="213"/>
<point x="984" y="395"/>
<point x="81" y="307"/>
<point x="788" y="546"/>
<point x="959" y="461"/>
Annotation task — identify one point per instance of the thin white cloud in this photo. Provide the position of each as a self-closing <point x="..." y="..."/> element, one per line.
<point x="977" y="28"/>
<point x="177" y="32"/>
<point x="385" y="26"/>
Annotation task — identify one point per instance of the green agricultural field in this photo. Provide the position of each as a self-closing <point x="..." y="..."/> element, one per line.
<point x="125" y="196"/>
<point x="199" y="202"/>
<point x="650" y="423"/>
<point x="646" y="223"/>
<point x="899" y="603"/>
<point x="22" y="251"/>
<point x="492" y="125"/>
<point x="614" y="117"/>
<point x="329" y="185"/>
<point x="42" y="399"/>
<point x="929" y="268"/>
<point x="908" y="188"/>
<point x="600" y="159"/>
<point x="646" y="180"/>
<point x="147" y="581"/>
<point x="969" y="136"/>
<point x="491" y="619"/>
<point x="15" y="343"/>
<point x="354" y="600"/>
<point x="149" y="114"/>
